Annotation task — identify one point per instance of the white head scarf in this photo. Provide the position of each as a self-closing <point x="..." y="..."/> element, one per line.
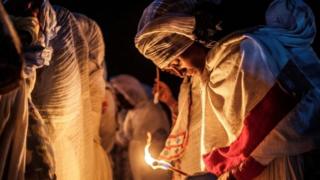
<point x="166" y="30"/>
<point x="292" y="22"/>
<point x="130" y="88"/>
<point x="48" y="31"/>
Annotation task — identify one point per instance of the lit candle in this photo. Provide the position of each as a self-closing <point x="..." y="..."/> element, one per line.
<point x="158" y="164"/>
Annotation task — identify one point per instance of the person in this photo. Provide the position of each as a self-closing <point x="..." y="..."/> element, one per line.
<point x="19" y="119"/>
<point x="108" y="122"/>
<point x="259" y="85"/>
<point x="108" y="125"/>
<point x="142" y="116"/>
<point x="13" y="99"/>
<point x="67" y="52"/>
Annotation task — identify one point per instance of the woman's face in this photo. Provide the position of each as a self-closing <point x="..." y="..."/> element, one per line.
<point x="190" y="62"/>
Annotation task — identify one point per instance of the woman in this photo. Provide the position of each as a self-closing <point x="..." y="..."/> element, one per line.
<point x="142" y="116"/>
<point x="257" y="83"/>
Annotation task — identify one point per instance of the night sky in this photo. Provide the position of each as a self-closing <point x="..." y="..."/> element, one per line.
<point x="118" y="21"/>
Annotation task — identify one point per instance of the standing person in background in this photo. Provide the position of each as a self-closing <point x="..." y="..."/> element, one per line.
<point x="143" y="116"/>
<point x="68" y="89"/>
<point x="109" y="124"/>
<point x="22" y="126"/>
<point x="259" y="86"/>
<point x="15" y="89"/>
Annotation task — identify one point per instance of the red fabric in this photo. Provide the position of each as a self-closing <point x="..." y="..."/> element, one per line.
<point x="248" y="170"/>
<point x="258" y="123"/>
<point x="177" y="148"/>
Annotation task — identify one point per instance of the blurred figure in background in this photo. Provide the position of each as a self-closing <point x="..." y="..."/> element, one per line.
<point x="142" y="116"/>
<point x="14" y="94"/>
<point x="64" y="53"/>
<point x="108" y="124"/>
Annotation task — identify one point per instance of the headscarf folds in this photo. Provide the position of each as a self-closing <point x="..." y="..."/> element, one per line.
<point x="166" y="29"/>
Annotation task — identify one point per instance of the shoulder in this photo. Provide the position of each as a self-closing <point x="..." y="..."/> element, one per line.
<point x="241" y="54"/>
<point x="63" y="14"/>
<point x="83" y="18"/>
<point x="224" y="50"/>
<point x="225" y="58"/>
<point x="250" y="46"/>
<point x="86" y="23"/>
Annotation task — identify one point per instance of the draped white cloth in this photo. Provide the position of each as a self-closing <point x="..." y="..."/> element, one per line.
<point x="242" y="71"/>
<point x="144" y="117"/>
<point x="13" y="133"/>
<point x="242" y="74"/>
<point x="69" y="95"/>
<point x="13" y="106"/>
<point x="191" y="158"/>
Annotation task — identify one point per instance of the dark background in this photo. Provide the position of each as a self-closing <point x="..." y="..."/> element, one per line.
<point x="118" y="21"/>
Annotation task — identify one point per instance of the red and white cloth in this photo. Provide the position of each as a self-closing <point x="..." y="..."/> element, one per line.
<point x="261" y="95"/>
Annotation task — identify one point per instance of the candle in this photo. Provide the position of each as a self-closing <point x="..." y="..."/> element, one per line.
<point x="158" y="164"/>
<point x="156" y="95"/>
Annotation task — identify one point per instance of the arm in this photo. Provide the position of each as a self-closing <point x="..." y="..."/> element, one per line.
<point x="249" y="102"/>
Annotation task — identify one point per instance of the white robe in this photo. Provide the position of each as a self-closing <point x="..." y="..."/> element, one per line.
<point x="146" y="117"/>
<point x="238" y="77"/>
<point x="69" y="95"/>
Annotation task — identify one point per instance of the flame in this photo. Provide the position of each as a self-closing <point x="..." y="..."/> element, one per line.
<point x="154" y="163"/>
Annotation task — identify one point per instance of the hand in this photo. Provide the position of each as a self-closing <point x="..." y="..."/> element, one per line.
<point x="165" y="94"/>
<point x="202" y="176"/>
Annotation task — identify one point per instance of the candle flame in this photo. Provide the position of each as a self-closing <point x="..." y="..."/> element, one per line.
<point x="154" y="163"/>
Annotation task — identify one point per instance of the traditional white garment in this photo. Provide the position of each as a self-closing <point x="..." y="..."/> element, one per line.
<point x="191" y="159"/>
<point x="229" y="127"/>
<point x="13" y="104"/>
<point x="265" y="101"/>
<point x="69" y="95"/>
<point x="260" y="96"/>
<point x="144" y="117"/>
<point x="18" y="114"/>
<point x="183" y="144"/>
<point x="13" y="133"/>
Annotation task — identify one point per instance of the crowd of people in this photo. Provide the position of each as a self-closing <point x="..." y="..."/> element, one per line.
<point x="248" y="105"/>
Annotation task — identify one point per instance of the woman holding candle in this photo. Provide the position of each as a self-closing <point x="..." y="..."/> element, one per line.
<point x="259" y="90"/>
